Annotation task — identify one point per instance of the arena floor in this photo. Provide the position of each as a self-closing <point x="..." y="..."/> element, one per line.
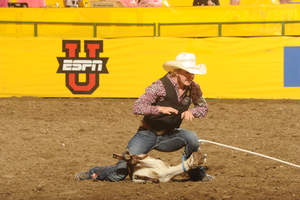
<point x="45" y="141"/>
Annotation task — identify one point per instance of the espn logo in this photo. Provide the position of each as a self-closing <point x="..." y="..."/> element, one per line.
<point x="92" y="65"/>
<point x="82" y="65"/>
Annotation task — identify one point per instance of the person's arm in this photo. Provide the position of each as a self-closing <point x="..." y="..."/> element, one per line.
<point x="143" y="105"/>
<point x="200" y="106"/>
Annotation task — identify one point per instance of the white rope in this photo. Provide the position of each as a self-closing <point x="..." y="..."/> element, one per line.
<point x="250" y="152"/>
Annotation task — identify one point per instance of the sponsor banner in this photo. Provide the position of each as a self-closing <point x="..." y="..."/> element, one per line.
<point x="261" y="68"/>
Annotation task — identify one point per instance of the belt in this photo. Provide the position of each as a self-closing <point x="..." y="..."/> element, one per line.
<point x="147" y="127"/>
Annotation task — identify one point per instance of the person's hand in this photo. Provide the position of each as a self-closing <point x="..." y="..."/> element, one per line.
<point x="187" y="115"/>
<point x="167" y="110"/>
<point x="210" y="3"/>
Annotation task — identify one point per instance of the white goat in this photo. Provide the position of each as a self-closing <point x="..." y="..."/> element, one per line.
<point x="145" y="168"/>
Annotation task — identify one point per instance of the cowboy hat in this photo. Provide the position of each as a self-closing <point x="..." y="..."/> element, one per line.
<point x="187" y="62"/>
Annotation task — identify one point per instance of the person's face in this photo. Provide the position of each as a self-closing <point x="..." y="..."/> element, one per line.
<point x="184" y="78"/>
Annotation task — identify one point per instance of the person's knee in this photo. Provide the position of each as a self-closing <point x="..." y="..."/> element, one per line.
<point x="118" y="175"/>
<point x="195" y="144"/>
<point x="192" y="143"/>
<point x="192" y="139"/>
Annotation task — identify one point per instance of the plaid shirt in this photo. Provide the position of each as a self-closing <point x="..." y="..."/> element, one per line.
<point x="156" y="92"/>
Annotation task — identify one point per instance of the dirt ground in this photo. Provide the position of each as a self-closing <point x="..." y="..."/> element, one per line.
<point x="45" y="141"/>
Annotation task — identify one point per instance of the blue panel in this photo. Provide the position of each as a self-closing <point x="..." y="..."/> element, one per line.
<point x="291" y="66"/>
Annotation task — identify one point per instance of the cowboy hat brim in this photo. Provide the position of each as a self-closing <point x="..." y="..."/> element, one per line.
<point x="171" y="65"/>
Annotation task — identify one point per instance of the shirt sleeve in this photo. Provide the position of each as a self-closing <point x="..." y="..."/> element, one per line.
<point x="144" y="104"/>
<point x="200" y="108"/>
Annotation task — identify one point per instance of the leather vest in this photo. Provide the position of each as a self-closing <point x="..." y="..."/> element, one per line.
<point x="164" y="121"/>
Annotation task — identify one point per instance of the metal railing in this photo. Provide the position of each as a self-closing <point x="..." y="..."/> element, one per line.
<point x="95" y="25"/>
<point x="154" y="25"/>
<point x="220" y="24"/>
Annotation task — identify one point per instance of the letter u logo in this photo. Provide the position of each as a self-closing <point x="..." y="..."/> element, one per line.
<point x="92" y="49"/>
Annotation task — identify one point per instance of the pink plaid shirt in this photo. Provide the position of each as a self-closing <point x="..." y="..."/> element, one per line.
<point x="156" y="92"/>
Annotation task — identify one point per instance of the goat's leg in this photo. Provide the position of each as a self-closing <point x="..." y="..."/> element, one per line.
<point x="129" y="160"/>
<point x="118" y="156"/>
<point x="146" y="178"/>
<point x="125" y="156"/>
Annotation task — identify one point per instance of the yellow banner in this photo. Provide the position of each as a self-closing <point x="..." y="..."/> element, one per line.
<point x="264" y="68"/>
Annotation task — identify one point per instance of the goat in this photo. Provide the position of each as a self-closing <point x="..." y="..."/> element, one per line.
<point x="146" y="168"/>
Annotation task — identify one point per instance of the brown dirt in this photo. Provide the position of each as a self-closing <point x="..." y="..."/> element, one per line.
<point x="44" y="142"/>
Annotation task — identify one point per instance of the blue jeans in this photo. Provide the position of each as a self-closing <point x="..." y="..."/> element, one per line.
<point x="142" y="143"/>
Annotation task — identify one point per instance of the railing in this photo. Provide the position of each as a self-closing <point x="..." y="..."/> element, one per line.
<point x="155" y="27"/>
<point x="220" y="24"/>
<point x="95" y="25"/>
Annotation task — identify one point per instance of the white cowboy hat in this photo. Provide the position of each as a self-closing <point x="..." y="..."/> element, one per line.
<point x="187" y="62"/>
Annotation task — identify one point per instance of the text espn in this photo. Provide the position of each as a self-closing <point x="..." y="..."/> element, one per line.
<point x="70" y="65"/>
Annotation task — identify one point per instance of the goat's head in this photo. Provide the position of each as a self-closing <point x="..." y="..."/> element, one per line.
<point x="197" y="159"/>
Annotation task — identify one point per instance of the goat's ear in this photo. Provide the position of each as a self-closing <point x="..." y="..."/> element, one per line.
<point x="199" y="149"/>
<point x="202" y="159"/>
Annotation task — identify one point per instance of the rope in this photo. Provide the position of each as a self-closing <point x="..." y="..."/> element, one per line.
<point x="258" y="154"/>
<point x="182" y="163"/>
